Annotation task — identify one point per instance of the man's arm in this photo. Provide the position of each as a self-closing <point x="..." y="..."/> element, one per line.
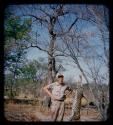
<point x="47" y="90"/>
<point x="49" y="93"/>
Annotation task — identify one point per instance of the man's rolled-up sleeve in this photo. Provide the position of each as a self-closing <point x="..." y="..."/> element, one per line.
<point x="50" y="86"/>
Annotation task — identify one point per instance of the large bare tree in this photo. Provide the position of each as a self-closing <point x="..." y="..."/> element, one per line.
<point x="48" y="17"/>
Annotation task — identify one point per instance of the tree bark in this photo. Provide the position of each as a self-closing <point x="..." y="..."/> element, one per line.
<point x="51" y="61"/>
<point x="51" y="58"/>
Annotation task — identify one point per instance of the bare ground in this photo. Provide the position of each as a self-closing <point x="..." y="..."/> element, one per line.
<point x="21" y="112"/>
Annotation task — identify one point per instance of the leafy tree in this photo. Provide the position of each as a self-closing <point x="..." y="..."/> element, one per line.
<point x="15" y="30"/>
<point x="33" y="70"/>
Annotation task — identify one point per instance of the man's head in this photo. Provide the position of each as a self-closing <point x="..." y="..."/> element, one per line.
<point x="60" y="79"/>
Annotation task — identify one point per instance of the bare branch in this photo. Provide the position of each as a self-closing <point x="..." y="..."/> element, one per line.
<point x="37" y="18"/>
<point x="47" y="14"/>
<point x="73" y="24"/>
<point x="36" y="46"/>
<point x="63" y="33"/>
<point x="63" y="54"/>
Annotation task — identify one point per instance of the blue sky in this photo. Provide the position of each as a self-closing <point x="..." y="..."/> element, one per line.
<point x="71" y="70"/>
<point x="34" y="53"/>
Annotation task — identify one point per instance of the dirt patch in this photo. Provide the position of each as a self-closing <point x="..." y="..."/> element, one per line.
<point x="15" y="112"/>
<point x="22" y="112"/>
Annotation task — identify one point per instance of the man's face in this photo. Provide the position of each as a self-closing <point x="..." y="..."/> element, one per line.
<point x="61" y="80"/>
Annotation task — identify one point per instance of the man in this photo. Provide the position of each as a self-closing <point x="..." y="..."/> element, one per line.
<point x="56" y="91"/>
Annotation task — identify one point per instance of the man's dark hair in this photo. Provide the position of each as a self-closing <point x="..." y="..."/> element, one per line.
<point x="60" y="76"/>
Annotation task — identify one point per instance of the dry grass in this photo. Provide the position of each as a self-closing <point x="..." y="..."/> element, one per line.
<point x="18" y="112"/>
<point x="23" y="112"/>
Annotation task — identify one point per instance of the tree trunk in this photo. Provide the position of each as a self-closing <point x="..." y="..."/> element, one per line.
<point x="54" y="69"/>
<point x="50" y="79"/>
<point x="51" y="59"/>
